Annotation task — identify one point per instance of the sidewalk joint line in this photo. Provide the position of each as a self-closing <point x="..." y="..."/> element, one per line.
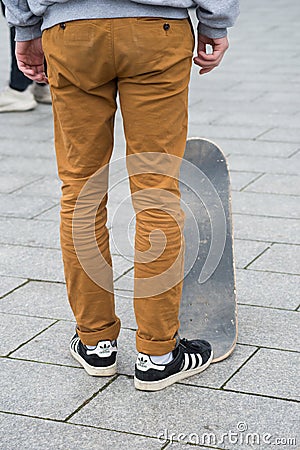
<point x="252" y="181"/>
<point x="279" y="349"/>
<point x="25" y="185"/>
<point x="12" y="244"/>
<point x="270" y="193"/>
<point x="257" y="256"/>
<point x="264" y="132"/>
<point x="74" y="424"/>
<point x="86" y="402"/>
<point x="239" y="392"/>
<point x="294" y="153"/>
<point x="276" y="308"/>
<point x="57" y="319"/>
<point x="46" y="210"/>
<point x="124" y="273"/>
<point x="15" y="289"/>
<point x="253" y="394"/>
<point x="273" y="271"/>
<point x="29" y="340"/>
<point x="240" y="367"/>
<point x="47" y="363"/>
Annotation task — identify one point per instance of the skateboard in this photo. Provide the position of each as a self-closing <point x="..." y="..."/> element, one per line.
<point x="208" y="306"/>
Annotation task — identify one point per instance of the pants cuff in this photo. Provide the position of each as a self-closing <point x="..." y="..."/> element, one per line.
<point x="93" y="337"/>
<point x="156" y="348"/>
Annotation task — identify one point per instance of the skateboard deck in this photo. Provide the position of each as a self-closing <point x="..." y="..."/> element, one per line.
<point x="208" y="306"/>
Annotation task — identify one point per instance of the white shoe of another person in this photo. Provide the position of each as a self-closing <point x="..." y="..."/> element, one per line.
<point x="41" y="93"/>
<point x="16" y="101"/>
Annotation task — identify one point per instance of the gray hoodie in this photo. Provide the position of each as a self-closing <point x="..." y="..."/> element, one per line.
<point x="30" y="17"/>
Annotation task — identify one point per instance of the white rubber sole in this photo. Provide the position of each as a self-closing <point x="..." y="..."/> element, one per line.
<point x="95" y="371"/>
<point x="19" y="107"/>
<point x="161" y="384"/>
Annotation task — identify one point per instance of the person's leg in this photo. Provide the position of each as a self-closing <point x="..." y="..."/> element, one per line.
<point x="84" y="103"/>
<point x="16" y="96"/>
<point x="154" y="99"/>
<point x="18" y="81"/>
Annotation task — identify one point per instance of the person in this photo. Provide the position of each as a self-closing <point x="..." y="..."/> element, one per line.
<point x="21" y="94"/>
<point x="142" y="50"/>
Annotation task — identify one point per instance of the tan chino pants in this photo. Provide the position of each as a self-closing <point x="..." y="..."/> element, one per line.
<point x="147" y="61"/>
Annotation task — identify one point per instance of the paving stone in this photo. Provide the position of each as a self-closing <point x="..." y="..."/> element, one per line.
<point x="266" y="204"/>
<point x="181" y="413"/>
<point x="121" y="244"/>
<point x="125" y="283"/>
<point x="39" y="350"/>
<point x="122" y="223"/>
<point x="124" y="308"/>
<point x="121" y="265"/>
<point x="27" y="207"/>
<point x="257" y="148"/>
<point x="46" y="187"/>
<point x="51" y="214"/>
<point x="266" y="327"/>
<point x="39" y="434"/>
<point x="271" y="229"/>
<point x="30" y="166"/>
<point x="245" y="251"/>
<point x="39" y="299"/>
<point x="23" y="119"/>
<point x="33" y="263"/>
<point x="16" y="147"/>
<point x="8" y="284"/>
<point x="222" y="131"/>
<point x="260" y="164"/>
<point x="266" y="86"/>
<point x="262" y="119"/>
<point x="119" y="190"/>
<point x="29" y="134"/>
<point x="127" y="352"/>
<point x="240" y="180"/>
<point x="232" y="106"/>
<point x="18" y="329"/>
<point x="276" y="184"/>
<point x="34" y="233"/>
<point x="177" y="446"/>
<point x="281" y="97"/>
<point x="11" y="182"/>
<point x="269" y="372"/>
<point x="279" y="258"/>
<point x="268" y="289"/>
<point x="223" y="96"/>
<point x="199" y="115"/>
<point x="42" y="389"/>
<point x="218" y="373"/>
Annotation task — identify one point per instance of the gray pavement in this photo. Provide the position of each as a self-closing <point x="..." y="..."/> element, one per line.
<point x="251" y="107"/>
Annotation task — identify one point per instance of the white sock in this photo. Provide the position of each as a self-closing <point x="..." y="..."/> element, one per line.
<point x="163" y="359"/>
<point x="91" y="347"/>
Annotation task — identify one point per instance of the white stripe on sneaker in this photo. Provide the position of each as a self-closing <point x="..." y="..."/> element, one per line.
<point x="194" y="361"/>
<point x="186" y="361"/>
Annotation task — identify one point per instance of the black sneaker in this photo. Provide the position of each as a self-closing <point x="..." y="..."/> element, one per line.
<point x="190" y="358"/>
<point x="99" y="362"/>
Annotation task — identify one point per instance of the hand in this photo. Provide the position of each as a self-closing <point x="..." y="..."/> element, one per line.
<point x="30" y="57"/>
<point x="209" y="61"/>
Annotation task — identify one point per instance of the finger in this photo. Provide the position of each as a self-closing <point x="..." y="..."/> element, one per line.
<point x="30" y="72"/>
<point x="201" y="46"/>
<point x="206" y="70"/>
<point x="211" y="57"/>
<point x="205" y="64"/>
